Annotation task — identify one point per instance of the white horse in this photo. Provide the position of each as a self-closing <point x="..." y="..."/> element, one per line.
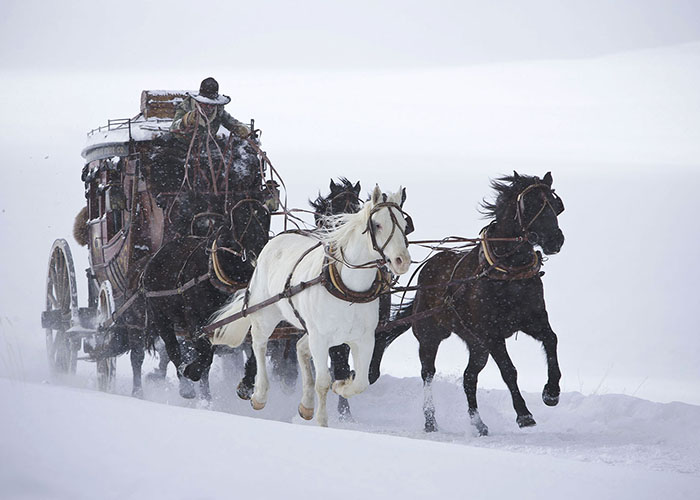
<point x="376" y="235"/>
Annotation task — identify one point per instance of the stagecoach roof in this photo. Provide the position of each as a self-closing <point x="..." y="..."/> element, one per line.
<point x="157" y="109"/>
<point x="116" y="135"/>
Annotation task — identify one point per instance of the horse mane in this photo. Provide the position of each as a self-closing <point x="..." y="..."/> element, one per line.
<point x="322" y="205"/>
<point x="336" y="230"/>
<point x="507" y="189"/>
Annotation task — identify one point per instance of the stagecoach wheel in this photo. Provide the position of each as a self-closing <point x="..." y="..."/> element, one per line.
<point x="61" y="310"/>
<point x="106" y="365"/>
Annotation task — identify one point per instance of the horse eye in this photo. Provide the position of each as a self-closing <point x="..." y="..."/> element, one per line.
<point x="377" y="226"/>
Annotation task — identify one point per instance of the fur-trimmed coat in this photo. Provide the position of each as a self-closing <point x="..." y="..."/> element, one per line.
<point x="222" y="117"/>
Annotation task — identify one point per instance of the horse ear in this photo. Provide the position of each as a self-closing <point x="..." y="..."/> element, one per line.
<point x="516" y="176"/>
<point x="548" y="179"/>
<point x="403" y="196"/>
<point x="332" y="186"/>
<point x="356" y="188"/>
<point x="376" y="194"/>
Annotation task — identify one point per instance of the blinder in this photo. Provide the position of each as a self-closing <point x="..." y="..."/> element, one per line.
<point x="409" y="225"/>
<point x="556" y="203"/>
<point x="549" y="198"/>
<point x="370" y="228"/>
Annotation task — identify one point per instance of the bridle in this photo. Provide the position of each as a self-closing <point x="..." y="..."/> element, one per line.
<point x="549" y="199"/>
<point x="382" y="261"/>
<point x="394" y="225"/>
<point x="237" y="236"/>
<point x="499" y="271"/>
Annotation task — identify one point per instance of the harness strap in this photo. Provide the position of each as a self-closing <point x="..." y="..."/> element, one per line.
<point x="490" y="268"/>
<point x="289" y="280"/>
<point x="179" y="290"/>
<point x="215" y="265"/>
<point x="298" y="288"/>
<point x="335" y="286"/>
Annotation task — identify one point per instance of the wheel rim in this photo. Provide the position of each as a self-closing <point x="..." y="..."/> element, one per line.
<point x="106" y="365"/>
<point x="62" y="300"/>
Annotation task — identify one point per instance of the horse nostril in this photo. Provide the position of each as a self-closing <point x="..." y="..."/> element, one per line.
<point x="398" y="261"/>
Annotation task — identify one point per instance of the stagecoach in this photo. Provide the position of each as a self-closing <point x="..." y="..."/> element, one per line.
<point x="129" y="216"/>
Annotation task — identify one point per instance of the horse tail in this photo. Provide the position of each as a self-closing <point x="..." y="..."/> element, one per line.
<point x="233" y="334"/>
<point x="402" y="313"/>
<point x="386" y="336"/>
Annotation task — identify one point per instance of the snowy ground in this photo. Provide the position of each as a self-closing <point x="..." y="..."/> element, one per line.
<point x="68" y="441"/>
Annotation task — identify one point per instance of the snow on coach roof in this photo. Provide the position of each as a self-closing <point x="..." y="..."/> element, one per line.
<point x="157" y="110"/>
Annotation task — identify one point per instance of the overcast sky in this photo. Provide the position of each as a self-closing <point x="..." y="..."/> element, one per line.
<point x="90" y="34"/>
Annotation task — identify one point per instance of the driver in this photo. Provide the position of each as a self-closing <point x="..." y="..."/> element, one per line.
<point x="203" y="108"/>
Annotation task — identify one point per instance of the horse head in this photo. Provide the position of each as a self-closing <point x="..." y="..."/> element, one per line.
<point x="531" y="207"/>
<point x="344" y="198"/>
<point x="387" y="226"/>
<point x="249" y="229"/>
<point x="238" y="242"/>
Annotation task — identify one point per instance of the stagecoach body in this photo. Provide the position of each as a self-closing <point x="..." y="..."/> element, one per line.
<point x="126" y="225"/>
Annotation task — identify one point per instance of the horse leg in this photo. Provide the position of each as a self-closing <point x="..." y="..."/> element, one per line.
<point x="137" y="346"/>
<point x="478" y="356"/>
<point x="284" y="362"/>
<point x="260" y="332"/>
<point x="340" y="369"/>
<point x="383" y="339"/>
<point x="247" y="383"/>
<point x="361" y="356"/>
<point x="187" y="389"/>
<point x="427" y="351"/>
<point x="510" y="377"/>
<point x="543" y="332"/>
<point x="306" y="406"/>
<point x="319" y="353"/>
<point x="204" y="389"/>
<point x="162" y="370"/>
<point x="202" y="355"/>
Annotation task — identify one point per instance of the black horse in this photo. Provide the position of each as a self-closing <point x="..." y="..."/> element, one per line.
<point x="488" y="294"/>
<point x="207" y="269"/>
<point x="211" y="193"/>
<point x="220" y="222"/>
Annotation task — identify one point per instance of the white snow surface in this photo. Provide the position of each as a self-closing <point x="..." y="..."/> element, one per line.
<point x="69" y="442"/>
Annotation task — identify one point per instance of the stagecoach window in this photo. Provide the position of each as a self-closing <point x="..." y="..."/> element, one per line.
<point x="93" y="200"/>
<point x="115" y="203"/>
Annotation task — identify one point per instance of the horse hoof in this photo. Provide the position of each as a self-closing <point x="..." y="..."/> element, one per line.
<point x="137" y="393"/>
<point x="256" y="405"/>
<point x="306" y="413"/>
<point x="483" y="431"/>
<point x="550" y="399"/>
<point x="525" y="421"/>
<point x="187" y="392"/>
<point x="191" y="373"/>
<point x="431" y="427"/>
<point x="244" y="392"/>
<point x="338" y="386"/>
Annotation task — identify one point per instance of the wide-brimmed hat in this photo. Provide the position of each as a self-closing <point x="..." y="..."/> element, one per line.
<point x="209" y="93"/>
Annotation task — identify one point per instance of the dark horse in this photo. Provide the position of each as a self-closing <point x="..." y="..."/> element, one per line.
<point x="220" y="235"/>
<point x="488" y="294"/>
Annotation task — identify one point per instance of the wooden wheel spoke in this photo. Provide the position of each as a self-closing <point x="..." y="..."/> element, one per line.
<point x="52" y="300"/>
